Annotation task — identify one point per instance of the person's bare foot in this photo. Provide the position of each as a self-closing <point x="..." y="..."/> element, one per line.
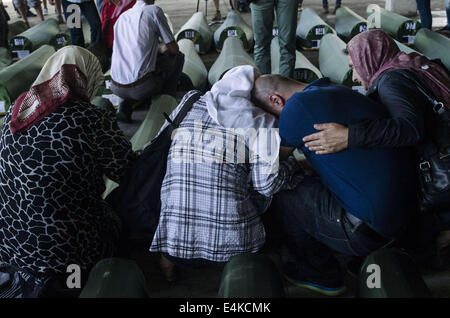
<point x="168" y="269"/>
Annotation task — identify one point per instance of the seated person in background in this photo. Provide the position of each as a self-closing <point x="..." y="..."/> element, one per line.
<point x="213" y="197"/>
<point x="361" y="200"/>
<point x="140" y="66"/>
<point x="21" y="6"/>
<point x="55" y="148"/>
<point x="379" y="66"/>
<point x="110" y="12"/>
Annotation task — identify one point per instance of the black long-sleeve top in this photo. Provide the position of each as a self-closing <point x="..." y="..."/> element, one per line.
<point x="408" y="108"/>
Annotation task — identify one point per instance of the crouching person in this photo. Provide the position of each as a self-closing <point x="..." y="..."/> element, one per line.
<point x="141" y="67"/>
<point x="218" y="183"/>
<point x="360" y="199"/>
<point x="55" y="148"/>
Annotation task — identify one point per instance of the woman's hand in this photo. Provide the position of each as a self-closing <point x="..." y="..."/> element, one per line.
<point x="331" y="138"/>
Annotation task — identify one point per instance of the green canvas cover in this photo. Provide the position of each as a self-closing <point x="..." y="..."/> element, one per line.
<point x="333" y="62"/>
<point x="233" y="54"/>
<point x="405" y="48"/>
<point x="35" y="36"/>
<point x="401" y="28"/>
<point x="115" y="278"/>
<point x="433" y="45"/>
<point x="304" y="70"/>
<point x="103" y="103"/>
<point x="348" y="23"/>
<point x="235" y="26"/>
<point x="148" y="129"/>
<point x="18" y="77"/>
<point x="251" y="276"/>
<point x="310" y="29"/>
<point x="197" y="30"/>
<point x="5" y="58"/>
<point x="398" y="276"/>
<point x="194" y="74"/>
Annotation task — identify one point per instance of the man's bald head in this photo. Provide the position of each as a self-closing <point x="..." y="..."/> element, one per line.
<point x="270" y="92"/>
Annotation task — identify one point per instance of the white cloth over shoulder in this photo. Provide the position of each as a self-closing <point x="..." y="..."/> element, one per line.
<point x="229" y="104"/>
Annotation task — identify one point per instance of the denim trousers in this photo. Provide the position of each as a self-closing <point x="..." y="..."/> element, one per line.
<point x="424" y="8"/>
<point x="314" y="225"/>
<point x="89" y="10"/>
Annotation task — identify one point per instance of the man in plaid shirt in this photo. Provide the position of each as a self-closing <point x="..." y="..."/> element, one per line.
<point x="211" y="208"/>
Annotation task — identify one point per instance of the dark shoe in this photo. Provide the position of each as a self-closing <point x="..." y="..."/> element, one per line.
<point x="325" y="10"/>
<point x="335" y="9"/>
<point x="30" y="14"/>
<point x="325" y="286"/>
<point x="217" y="17"/>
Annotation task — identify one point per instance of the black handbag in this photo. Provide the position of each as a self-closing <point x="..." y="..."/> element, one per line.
<point x="137" y="200"/>
<point x="434" y="163"/>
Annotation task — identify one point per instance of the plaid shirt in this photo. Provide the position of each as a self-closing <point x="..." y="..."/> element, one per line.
<point x="213" y="210"/>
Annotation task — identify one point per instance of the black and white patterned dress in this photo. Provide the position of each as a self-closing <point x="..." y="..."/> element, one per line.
<point x="51" y="182"/>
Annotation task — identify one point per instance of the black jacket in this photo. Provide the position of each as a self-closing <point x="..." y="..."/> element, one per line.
<point x="409" y="111"/>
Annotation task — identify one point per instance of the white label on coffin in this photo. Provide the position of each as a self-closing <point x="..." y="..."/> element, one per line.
<point x="19" y="42"/>
<point x="189" y="34"/>
<point x="197" y="47"/>
<point x="2" y="106"/>
<point x="362" y="28"/>
<point x="61" y="40"/>
<point x="232" y="33"/>
<point x="320" y="31"/>
<point x="316" y="44"/>
<point x="275" y="32"/>
<point x="22" y="53"/>
<point x="410" y="26"/>
<point x="409" y="38"/>
<point x="108" y="84"/>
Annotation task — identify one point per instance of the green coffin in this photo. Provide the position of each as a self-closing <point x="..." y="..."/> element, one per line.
<point x="251" y="276"/>
<point x="333" y="62"/>
<point x="401" y="28"/>
<point x="233" y="54"/>
<point x="16" y="28"/>
<point x="310" y="29"/>
<point x="18" y="77"/>
<point x="36" y="36"/>
<point x="234" y="26"/>
<point x="390" y="273"/>
<point x="104" y="88"/>
<point x="404" y="48"/>
<point x="60" y="40"/>
<point x="5" y="58"/>
<point x="197" y="30"/>
<point x="433" y="45"/>
<point x="194" y="74"/>
<point x="348" y="23"/>
<point x="115" y="278"/>
<point x="304" y="70"/>
<point x="148" y="129"/>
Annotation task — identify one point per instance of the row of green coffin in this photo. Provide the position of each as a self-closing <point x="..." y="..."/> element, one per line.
<point x="348" y="23"/>
<point x="310" y="29"/>
<point x="18" y="77"/>
<point x="197" y="30"/>
<point x="401" y="28"/>
<point x="304" y="70"/>
<point x="386" y="273"/>
<point x="46" y="32"/>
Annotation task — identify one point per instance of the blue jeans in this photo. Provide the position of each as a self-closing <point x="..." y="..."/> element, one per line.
<point x="325" y="3"/>
<point x="424" y="8"/>
<point x="89" y="10"/>
<point x="447" y="10"/>
<point x="99" y="5"/>
<point x="314" y="225"/>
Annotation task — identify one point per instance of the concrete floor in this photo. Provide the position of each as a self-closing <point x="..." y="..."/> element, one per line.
<point x="205" y="282"/>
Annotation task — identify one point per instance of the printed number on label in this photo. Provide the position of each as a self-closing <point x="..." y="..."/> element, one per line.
<point x="362" y="28"/>
<point x="189" y="34"/>
<point x="19" y="42"/>
<point x="320" y="31"/>
<point x="232" y="33"/>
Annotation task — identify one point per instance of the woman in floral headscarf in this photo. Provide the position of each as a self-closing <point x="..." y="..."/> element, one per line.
<point x="55" y="148"/>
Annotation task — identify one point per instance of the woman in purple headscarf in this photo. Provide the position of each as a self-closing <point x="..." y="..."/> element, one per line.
<point x="379" y="66"/>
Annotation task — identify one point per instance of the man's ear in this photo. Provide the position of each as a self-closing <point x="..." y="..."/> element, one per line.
<point x="277" y="101"/>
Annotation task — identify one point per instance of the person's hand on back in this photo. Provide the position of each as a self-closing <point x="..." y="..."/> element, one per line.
<point x="331" y="138"/>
